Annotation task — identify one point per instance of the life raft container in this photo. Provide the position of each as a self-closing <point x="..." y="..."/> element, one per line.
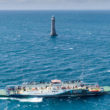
<point x="94" y="90"/>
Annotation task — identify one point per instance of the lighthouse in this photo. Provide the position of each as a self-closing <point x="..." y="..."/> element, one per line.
<point x="53" y="30"/>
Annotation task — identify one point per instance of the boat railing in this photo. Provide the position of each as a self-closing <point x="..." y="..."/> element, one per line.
<point x="91" y="84"/>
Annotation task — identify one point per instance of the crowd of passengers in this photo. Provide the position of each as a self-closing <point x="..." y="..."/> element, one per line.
<point x="19" y="88"/>
<point x="24" y="88"/>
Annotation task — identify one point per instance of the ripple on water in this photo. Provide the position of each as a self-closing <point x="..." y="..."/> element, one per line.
<point x="80" y="51"/>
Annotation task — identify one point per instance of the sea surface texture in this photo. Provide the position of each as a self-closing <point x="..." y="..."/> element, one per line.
<point x="80" y="51"/>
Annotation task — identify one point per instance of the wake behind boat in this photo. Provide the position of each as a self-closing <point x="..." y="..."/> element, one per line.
<point x="54" y="88"/>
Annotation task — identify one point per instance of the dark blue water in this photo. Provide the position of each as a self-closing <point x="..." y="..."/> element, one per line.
<point x="80" y="51"/>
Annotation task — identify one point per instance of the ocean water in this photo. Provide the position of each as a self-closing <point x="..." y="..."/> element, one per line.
<point x="80" y="51"/>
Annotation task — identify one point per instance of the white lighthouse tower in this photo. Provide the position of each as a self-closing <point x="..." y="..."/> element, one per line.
<point x="53" y="30"/>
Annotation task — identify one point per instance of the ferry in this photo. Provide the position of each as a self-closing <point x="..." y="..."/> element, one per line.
<point x="54" y="88"/>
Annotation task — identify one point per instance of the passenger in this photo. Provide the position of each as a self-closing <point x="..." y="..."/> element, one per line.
<point x="97" y="86"/>
<point x="75" y="86"/>
<point x="19" y="87"/>
<point x="86" y="87"/>
<point x="33" y="89"/>
<point x="72" y="81"/>
<point x="36" y="88"/>
<point x="63" y="87"/>
<point x="82" y="85"/>
<point x="24" y="88"/>
<point x="79" y="80"/>
<point x="57" y="87"/>
<point x="68" y="87"/>
<point x="41" y="87"/>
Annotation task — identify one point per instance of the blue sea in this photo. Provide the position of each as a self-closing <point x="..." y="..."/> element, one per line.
<point x="80" y="51"/>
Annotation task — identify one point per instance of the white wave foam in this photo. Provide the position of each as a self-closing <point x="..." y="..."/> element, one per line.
<point x="23" y="100"/>
<point x="4" y="98"/>
<point x="108" y="70"/>
<point x="31" y="100"/>
<point x="71" y="48"/>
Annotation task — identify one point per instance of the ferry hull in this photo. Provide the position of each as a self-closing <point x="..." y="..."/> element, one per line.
<point x="71" y="93"/>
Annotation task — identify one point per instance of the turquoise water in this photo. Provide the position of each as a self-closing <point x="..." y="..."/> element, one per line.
<point x="80" y="51"/>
